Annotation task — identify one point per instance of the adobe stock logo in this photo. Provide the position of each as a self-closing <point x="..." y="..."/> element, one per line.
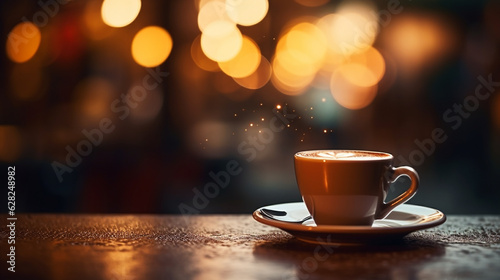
<point x="454" y="117"/>
<point x="121" y="106"/>
<point x="49" y="9"/>
<point x="248" y="148"/>
<point x="322" y="251"/>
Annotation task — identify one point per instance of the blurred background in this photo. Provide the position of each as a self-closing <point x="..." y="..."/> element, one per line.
<point x="198" y="106"/>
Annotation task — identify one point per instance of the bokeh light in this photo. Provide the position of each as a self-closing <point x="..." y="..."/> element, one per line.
<point x="259" y="77"/>
<point x="247" y="12"/>
<point x="287" y="82"/>
<point x="211" y="11"/>
<point x="335" y="49"/>
<point x="245" y="62"/>
<point x="357" y="74"/>
<point x="414" y="41"/>
<point x="200" y="58"/>
<point x="353" y="28"/>
<point x="221" y="40"/>
<point x="286" y="59"/>
<point x="151" y="46"/>
<point x="300" y="53"/>
<point x="120" y="13"/>
<point x="307" y="44"/>
<point x="374" y="62"/>
<point x="23" y="42"/>
<point x="200" y="3"/>
<point x="301" y="50"/>
<point x="349" y="94"/>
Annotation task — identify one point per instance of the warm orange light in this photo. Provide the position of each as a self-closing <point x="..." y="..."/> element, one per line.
<point x="409" y="40"/>
<point x="350" y="95"/>
<point x="120" y="13"/>
<point x="352" y="29"/>
<point x="245" y="62"/>
<point x="259" y="78"/>
<point x="287" y="82"/>
<point x="286" y="89"/>
<point x="301" y="51"/>
<point x="415" y="41"/>
<point x="312" y="3"/>
<point x="151" y="46"/>
<point x="307" y="43"/>
<point x="211" y="11"/>
<point x="23" y="42"/>
<point x="200" y="58"/>
<point x="358" y="74"/>
<point x="221" y="40"/>
<point x="247" y="12"/>
<point x="292" y="63"/>
<point x="200" y="3"/>
<point x="365" y="9"/>
<point x="374" y="62"/>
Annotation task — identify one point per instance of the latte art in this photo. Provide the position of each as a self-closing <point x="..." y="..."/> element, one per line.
<point x="343" y="155"/>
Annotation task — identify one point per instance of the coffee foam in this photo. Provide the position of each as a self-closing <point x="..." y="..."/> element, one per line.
<point x="343" y="155"/>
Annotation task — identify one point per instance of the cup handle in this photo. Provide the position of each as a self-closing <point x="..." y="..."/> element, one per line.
<point x="395" y="173"/>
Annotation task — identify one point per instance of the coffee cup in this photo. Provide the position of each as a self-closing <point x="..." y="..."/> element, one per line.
<point x="349" y="187"/>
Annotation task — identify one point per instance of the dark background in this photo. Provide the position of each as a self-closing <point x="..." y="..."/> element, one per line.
<point x="152" y="164"/>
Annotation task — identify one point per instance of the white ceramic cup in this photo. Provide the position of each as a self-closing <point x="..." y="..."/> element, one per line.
<point x="349" y="187"/>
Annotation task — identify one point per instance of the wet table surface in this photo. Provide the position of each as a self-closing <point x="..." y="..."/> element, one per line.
<point x="237" y="247"/>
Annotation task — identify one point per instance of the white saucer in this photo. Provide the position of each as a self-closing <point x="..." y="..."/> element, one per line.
<point x="403" y="220"/>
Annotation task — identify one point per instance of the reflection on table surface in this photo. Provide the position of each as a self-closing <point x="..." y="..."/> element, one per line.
<point x="235" y="246"/>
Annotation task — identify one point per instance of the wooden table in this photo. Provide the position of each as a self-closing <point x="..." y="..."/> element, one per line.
<point x="237" y="247"/>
